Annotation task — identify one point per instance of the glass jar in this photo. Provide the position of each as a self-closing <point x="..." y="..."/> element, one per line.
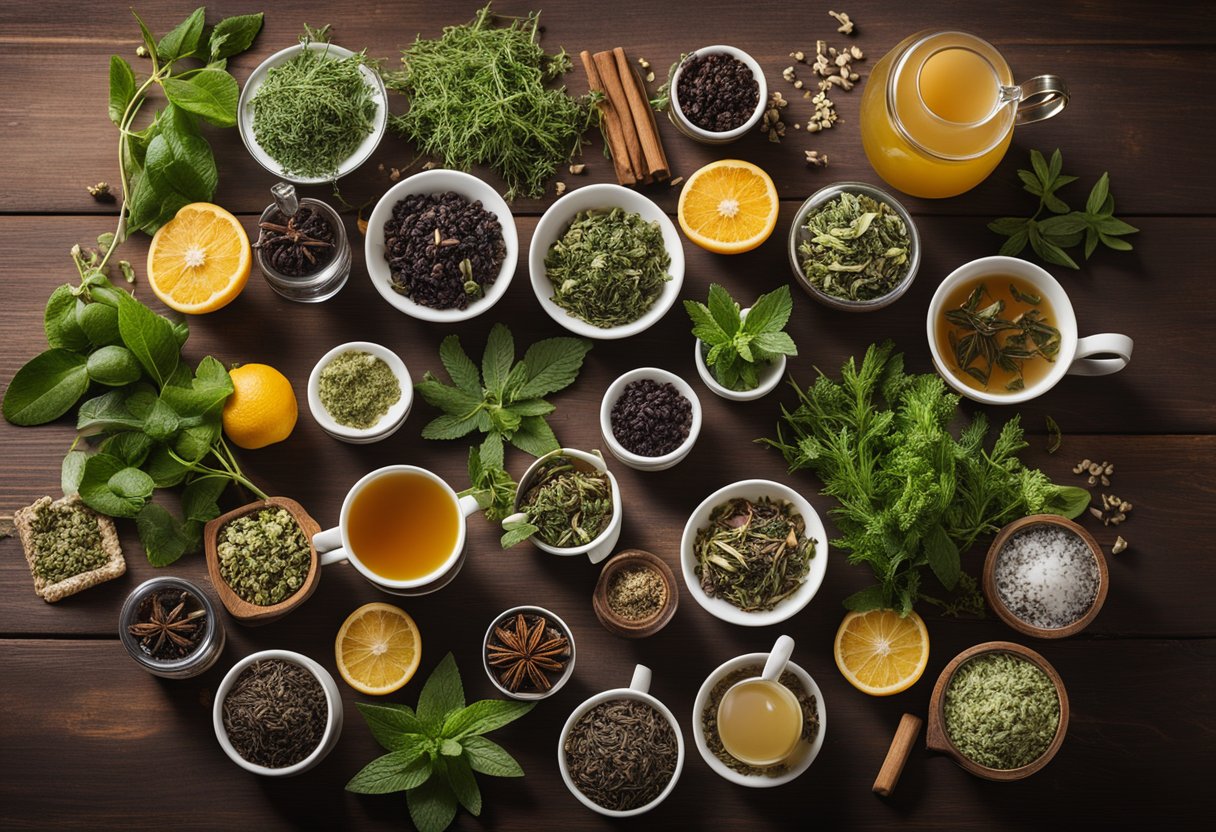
<point x="322" y="284"/>
<point x="205" y="653"/>
<point x="939" y="109"/>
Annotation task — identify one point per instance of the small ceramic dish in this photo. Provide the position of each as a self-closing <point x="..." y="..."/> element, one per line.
<point x="998" y="603"/>
<point x="554" y="223"/>
<point x="240" y="609"/>
<point x="504" y="619"/>
<point x="649" y="463"/>
<point x="754" y="490"/>
<point x="639" y="689"/>
<point x="244" y="113"/>
<point x="436" y="182"/>
<point x="389" y="423"/>
<point x="685" y="126"/>
<point x="936" y="738"/>
<point x="644" y="627"/>
<point x="602" y="546"/>
<point x="804" y="754"/>
<point x="770" y="374"/>
<point x="798" y="234"/>
<point x="333" y="722"/>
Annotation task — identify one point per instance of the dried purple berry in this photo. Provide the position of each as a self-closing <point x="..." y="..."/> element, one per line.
<point x="651" y="419"/>
<point x="717" y="92"/>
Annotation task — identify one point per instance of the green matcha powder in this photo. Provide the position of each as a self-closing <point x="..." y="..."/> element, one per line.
<point x="357" y="389"/>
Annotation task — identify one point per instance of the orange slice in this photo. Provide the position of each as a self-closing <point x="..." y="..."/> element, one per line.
<point x="881" y="653"/>
<point x="378" y="649"/>
<point x="199" y="260"/>
<point x="728" y="207"/>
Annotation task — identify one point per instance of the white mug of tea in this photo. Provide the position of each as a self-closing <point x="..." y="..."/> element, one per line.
<point x="759" y="719"/>
<point x="1002" y="331"/>
<point x="402" y="527"/>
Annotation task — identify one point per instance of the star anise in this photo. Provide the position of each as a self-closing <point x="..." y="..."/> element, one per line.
<point x="524" y="654"/>
<point x="163" y="628"/>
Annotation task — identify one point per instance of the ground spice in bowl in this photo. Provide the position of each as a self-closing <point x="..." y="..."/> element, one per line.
<point x="443" y="251"/>
<point x="717" y="92"/>
<point x="709" y="719"/>
<point x="621" y="754"/>
<point x="1047" y="576"/>
<point x="357" y="389"/>
<point x="636" y="593"/>
<point x="651" y="418"/>
<point x="275" y="714"/>
<point x="264" y="556"/>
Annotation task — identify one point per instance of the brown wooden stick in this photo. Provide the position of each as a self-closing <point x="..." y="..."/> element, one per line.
<point x="897" y="755"/>
<point x="606" y="64"/>
<point x="612" y="124"/>
<point x="653" y="159"/>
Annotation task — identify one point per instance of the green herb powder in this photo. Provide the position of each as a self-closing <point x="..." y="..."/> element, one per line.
<point x="858" y="248"/>
<point x="313" y="111"/>
<point x="609" y="267"/>
<point x="357" y="389"/>
<point x="264" y="556"/>
<point x="1001" y="711"/>
<point x="67" y="542"/>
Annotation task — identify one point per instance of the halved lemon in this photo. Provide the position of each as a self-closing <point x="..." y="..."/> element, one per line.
<point x="728" y="206"/>
<point x="199" y="260"/>
<point x="378" y="649"/>
<point x="881" y="653"/>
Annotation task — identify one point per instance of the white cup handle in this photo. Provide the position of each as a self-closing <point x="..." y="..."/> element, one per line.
<point x="329" y="546"/>
<point x="641" y="679"/>
<point x="778" y="658"/>
<point x="1111" y="343"/>
<point x="467" y="506"/>
<point x="600" y="552"/>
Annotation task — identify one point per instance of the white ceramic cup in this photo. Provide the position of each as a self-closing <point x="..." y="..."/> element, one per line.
<point x="637" y="461"/>
<point x="639" y="689"/>
<point x="1074" y="355"/>
<point x="774" y="666"/>
<point x="770" y="374"/>
<point x="333" y="545"/>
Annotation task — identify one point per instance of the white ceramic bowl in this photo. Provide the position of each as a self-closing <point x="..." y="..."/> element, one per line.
<point x="244" y="113"/>
<point x="602" y="546"/>
<point x="554" y="223"/>
<point x="389" y="423"/>
<point x="639" y="688"/>
<point x="333" y="724"/>
<point x="754" y="490"/>
<point x="803" y="755"/>
<point x="649" y="463"/>
<point x="436" y="182"/>
<point x="529" y="610"/>
<point x="770" y="376"/>
<point x="723" y="137"/>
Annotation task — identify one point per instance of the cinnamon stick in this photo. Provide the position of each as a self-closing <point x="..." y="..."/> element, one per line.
<point x="612" y="124"/>
<point x="611" y="79"/>
<point x="653" y="158"/>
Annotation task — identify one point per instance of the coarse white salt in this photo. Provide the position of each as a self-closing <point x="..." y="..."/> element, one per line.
<point x="1047" y="576"/>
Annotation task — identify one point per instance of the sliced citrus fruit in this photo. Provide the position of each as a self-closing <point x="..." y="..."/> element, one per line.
<point x="728" y="206"/>
<point x="881" y="653"/>
<point x="378" y="649"/>
<point x="199" y="260"/>
<point x="262" y="409"/>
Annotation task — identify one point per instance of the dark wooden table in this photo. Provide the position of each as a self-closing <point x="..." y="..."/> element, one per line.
<point x="87" y="739"/>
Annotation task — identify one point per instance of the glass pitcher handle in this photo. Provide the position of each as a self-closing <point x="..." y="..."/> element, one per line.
<point x="1043" y="96"/>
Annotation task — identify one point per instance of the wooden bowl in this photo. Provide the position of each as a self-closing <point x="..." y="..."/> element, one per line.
<point x="243" y="611"/>
<point x="936" y="738"/>
<point x="1007" y="615"/>
<point x="642" y="628"/>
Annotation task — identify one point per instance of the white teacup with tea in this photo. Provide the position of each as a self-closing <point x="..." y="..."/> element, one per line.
<point x="402" y="527"/>
<point x="1002" y="331"/>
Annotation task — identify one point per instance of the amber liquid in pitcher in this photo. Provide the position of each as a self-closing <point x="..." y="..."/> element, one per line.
<point x="759" y="722"/>
<point x="403" y="526"/>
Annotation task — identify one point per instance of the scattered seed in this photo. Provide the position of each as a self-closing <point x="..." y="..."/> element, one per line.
<point x="1120" y="545"/>
<point x="846" y="25"/>
<point x="675" y="181"/>
<point x="577" y="169"/>
<point x="815" y="159"/>
<point x="799" y="56"/>
<point x="649" y="77"/>
<point x="430" y="166"/>
<point x="559" y="188"/>
<point x="141" y="51"/>
<point x="856" y="53"/>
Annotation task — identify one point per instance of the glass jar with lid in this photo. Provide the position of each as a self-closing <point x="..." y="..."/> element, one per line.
<point x="171" y="628"/>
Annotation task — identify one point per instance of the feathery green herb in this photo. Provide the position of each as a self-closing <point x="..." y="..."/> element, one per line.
<point x="911" y="496"/>
<point x="736" y="348"/>
<point x="609" y="267"/>
<point x="434" y="751"/>
<point x="481" y="94"/>
<point x="858" y="247"/>
<point x="1050" y="237"/>
<point x="313" y="111"/>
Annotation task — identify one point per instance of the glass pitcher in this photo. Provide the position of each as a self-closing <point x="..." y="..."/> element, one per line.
<point x="939" y="109"/>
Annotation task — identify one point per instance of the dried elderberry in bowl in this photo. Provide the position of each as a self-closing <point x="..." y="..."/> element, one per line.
<point x="441" y="246"/>
<point x="360" y="392"/>
<point x="718" y="94"/>
<point x="650" y="419"/>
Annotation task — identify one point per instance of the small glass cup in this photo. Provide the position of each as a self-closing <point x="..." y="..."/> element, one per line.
<point x="209" y="647"/>
<point x="329" y="279"/>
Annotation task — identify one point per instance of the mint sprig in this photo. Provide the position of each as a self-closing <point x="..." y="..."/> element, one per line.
<point x="1050" y="237"/>
<point x="737" y="347"/>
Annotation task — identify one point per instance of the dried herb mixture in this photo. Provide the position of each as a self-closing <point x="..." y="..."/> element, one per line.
<point x="621" y="754"/>
<point x="275" y="714"/>
<point x="357" y="389"/>
<point x="67" y="541"/>
<point x="264" y="556"/>
<point x="858" y="248"/>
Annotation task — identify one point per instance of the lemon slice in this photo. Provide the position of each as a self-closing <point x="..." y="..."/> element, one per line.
<point x="728" y="207"/>
<point x="378" y="649"/>
<point x="881" y="653"/>
<point x="199" y="260"/>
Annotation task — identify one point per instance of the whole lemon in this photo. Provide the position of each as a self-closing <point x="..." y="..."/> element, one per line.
<point x="262" y="409"/>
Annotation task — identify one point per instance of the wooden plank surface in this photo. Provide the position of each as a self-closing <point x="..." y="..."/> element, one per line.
<point x="88" y="740"/>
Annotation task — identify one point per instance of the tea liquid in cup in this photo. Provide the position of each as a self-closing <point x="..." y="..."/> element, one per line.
<point x="938" y="112"/>
<point x="760" y="719"/>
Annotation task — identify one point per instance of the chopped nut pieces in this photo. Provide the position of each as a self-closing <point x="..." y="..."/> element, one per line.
<point x="1113" y="512"/>
<point x="578" y="169"/>
<point x="1098" y="472"/>
<point x="675" y="181"/>
<point x="1120" y="545"/>
<point x="816" y="159"/>
<point x="846" y="25"/>
<point x="100" y="191"/>
<point x="559" y="188"/>
<point x="771" y="123"/>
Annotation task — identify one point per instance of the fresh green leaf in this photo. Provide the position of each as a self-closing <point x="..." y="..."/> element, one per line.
<point x="1113" y="226"/>
<point x="1040" y="167"/>
<point x="233" y="35"/>
<point x="164" y="538"/>
<point x="460" y="367"/>
<point x="394" y="772"/>
<point x="1098" y="194"/>
<point x="149" y="41"/>
<point x="59" y="321"/>
<point x="395" y="727"/>
<point x="165" y="471"/>
<point x="194" y="442"/>
<point x="1067" y="501"/>
<point x="534" y="436"/>
<point x="776" y="343"/>
<point x="99" y="322"/>
<point x="453" y="400"/>
<point x="704" y="326"/>
<point x="463" y="783"/>
<point x="209" y="93"/>
<point x="107" y="412"/>
<point x="1031" y="182"/>
<point x="450" y="748"/>
<point x="770" y="313"/>
<point x="1007" y="225"/>
<point x="131" y="483"/>
<point x="207" y="393"/>
<point x="497" y="359"/>
<point x="517" y="534"/>
<point x="487" y="757"/>
<point x="943" y="556"/>
<point x="200" y="498"/>
<point x="163" y="422"/>
<point x="96" y="492"/>
<point x="113" y="366"/>
<point x="432" y="806"/>
<point x="71" y="472"/>
<point x="449" y="427"/>
<point x="46" y="387"/>
<point x="1064" y="224"/>
<point x="1114" y="242"/>
<point x="131" y="446"/>
<point x="149" y="336"/>
<point x="552" y="365"/>
<point x="532" y="407"/>
<point x="1016" y="243"/>
<point x="441" y="694"/>
<point x="182" y="40"/>
<point x="483" y="716"/>
<point x="723" y="309"/>
<point x="122" y="88"/>
<point x="870" y="598"/>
